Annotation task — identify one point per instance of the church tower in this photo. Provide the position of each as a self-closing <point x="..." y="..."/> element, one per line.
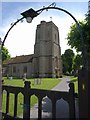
<point x="47" y="52"/>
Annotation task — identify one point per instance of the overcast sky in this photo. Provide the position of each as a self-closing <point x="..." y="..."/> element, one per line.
<point x="21" y="39"/>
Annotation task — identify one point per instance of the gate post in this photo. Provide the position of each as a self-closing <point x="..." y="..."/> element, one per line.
<point x="26" y="105"/>
<point x="53" y="109"/>
<point x="71" y="101"/>
<point x="84" y="93"/>
<point x="39" y="108"/>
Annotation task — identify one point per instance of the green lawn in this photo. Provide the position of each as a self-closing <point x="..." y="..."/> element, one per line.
<point x="47" y="83"/>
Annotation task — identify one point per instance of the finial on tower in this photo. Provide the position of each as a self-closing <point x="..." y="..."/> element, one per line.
<point x="51" y="18"/>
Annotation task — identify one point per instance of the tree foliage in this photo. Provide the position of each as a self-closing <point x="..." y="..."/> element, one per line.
<point x="77" y="62"/>
<point x="5" y="54"/>
<point x="74" y="37"/>
<point x="67" y="59"/>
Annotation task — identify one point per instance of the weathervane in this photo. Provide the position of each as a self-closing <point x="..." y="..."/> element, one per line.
<point x="51" y="18"/>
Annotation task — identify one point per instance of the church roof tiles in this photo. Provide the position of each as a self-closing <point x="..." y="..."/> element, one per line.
<point x="19" y="59"/>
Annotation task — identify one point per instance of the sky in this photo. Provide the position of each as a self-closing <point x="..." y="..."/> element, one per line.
<point x="21" y="38"/>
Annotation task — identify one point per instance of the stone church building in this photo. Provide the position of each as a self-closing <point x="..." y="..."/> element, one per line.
<point x="46" y="60"/>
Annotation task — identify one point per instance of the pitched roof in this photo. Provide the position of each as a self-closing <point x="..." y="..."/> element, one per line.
<point x="19" y="59"/>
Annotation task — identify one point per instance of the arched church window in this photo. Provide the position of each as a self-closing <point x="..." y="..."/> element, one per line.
<point x="55" y="36"/>
<point x="38" y="36"/>
<point x="14" y="69"/>
<point x="48" y="34"/>
<point x="25" y="69"/>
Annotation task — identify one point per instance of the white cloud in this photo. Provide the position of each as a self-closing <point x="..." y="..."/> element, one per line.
<point x="21" y="38"/>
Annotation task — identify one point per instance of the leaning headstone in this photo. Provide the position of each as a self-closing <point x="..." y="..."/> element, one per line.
<point x="11" y="78"/>
<point x="40" y="81"/>
<point x="34" y="81"/>
<point x="24" y="77"/>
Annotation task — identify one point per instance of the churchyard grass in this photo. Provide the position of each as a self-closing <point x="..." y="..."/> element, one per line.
<point x="47" y="83"/>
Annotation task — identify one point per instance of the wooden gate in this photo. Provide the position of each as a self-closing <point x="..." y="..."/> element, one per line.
<point x="27" y="92"/>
